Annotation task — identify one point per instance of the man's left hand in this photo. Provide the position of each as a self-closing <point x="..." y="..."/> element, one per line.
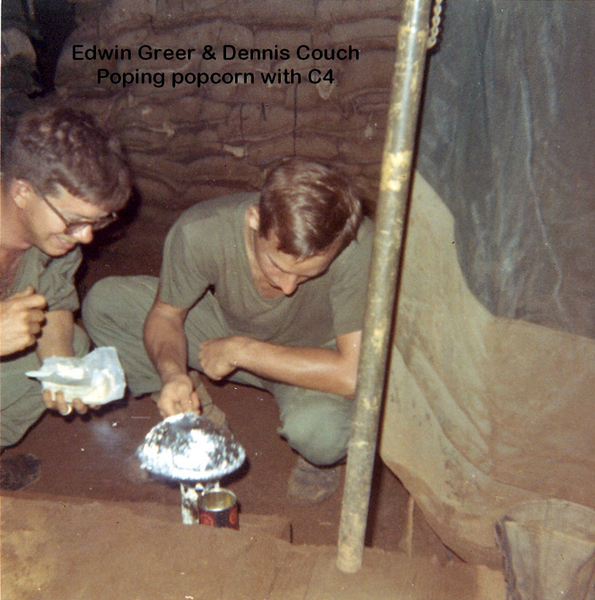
<point x="218" y="357"/>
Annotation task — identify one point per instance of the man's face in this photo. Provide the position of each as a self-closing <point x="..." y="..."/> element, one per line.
<point x="47" y="216"/>
<point x="284" y="272"/>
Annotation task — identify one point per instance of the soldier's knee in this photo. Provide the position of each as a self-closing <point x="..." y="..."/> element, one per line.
<point x="319" y="443"/>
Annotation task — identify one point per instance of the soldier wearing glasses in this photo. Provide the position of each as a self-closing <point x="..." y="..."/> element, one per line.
<point x="63" y="178"/>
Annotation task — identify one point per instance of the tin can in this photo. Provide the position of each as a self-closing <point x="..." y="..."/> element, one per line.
<point x="218" y="507"/>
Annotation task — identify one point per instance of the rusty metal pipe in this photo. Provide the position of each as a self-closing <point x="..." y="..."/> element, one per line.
<point x="386" y="253"/>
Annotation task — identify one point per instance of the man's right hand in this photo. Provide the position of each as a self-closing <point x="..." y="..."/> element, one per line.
<point x="178" y="396"/>
<point x="22" y="316"/>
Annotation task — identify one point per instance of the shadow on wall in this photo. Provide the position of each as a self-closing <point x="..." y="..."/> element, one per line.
<point x="32" y="37"/>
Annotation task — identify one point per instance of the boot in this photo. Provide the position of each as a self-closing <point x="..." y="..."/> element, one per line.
<point x="309" y="484"/>
<point x="18" y="472"/>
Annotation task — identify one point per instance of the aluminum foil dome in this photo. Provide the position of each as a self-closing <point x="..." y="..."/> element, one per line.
<point x="187" y="447"/>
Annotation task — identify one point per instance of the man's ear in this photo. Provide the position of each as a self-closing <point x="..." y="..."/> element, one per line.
<point x="253" y="217"/>
<point x="20" y="191"/>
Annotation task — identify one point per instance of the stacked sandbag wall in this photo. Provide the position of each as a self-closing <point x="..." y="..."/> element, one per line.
<point x="190" y="134"/>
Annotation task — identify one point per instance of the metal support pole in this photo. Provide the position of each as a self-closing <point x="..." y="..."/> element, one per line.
<point x="386" y="253"/>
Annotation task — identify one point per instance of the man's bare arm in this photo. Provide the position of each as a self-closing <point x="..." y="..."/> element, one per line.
<point x="166" y="345"/>
<point x="323" y="369"/>
<point x="56" y="335"/>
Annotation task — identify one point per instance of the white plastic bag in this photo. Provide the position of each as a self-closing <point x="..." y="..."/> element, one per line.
<point x="97" y="378"/>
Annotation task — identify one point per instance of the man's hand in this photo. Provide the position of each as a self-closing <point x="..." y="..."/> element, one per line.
<point x="218" y="356"/>
<point x="22" y="317"/>
<point x="56" y="402"/>
<point x="324" y="369"/>
<point x="178" y="396"/>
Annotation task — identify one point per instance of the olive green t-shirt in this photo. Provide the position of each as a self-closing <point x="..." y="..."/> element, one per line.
<point x="52" y="277"/>
<point x="206" y="250"/>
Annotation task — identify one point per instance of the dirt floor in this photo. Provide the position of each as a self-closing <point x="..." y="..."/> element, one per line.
<point x="93" y="551"/>
<point x="89" y="481"/>
<point x="90" y="457"/>
<point x="89" y="529"/>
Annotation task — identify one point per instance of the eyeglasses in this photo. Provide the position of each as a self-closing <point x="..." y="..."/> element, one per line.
<point x="73" y="227"/>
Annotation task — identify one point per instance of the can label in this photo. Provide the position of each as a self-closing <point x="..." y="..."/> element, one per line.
<point x="218" y="508"/>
